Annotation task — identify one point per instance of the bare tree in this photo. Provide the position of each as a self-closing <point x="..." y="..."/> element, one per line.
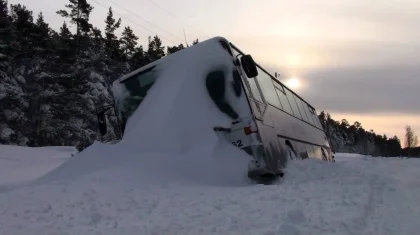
<point x="411" y="140"/>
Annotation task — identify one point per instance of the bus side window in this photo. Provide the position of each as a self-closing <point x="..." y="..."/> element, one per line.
<point x="255" y="93"/>
<point x="269" y="93"/>
<point x="283" y="99"/>
<point x="298" y="111"/>
<point x="310" y="114"/>
<point x="292" y="103"/>
<point x="319" y="123"/>
<point x="316" y="119"/>
<point x="304" y="114"/>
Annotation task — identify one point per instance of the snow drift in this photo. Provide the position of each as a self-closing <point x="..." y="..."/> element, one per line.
<point x="360" y="195"/>
<point x="19" y="165"/>
<point x="170" y="136"/>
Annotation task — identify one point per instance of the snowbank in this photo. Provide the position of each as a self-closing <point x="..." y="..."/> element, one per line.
<point x="347" y="156"/>
<point x="360" y="196"/>
<point x="156" y="168"/>
<point x="23" y="164"/>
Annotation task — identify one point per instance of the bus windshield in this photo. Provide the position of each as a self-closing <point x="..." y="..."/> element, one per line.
<point x="134" y="91"/>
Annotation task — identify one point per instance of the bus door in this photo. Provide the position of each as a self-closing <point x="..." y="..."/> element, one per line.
<point x="266" y="130"/>
<point x="254" y="94"/>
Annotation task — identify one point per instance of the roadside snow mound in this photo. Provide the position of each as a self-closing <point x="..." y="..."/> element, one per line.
<point x="170" y="136"/>
<point x="348" y="156"/>
<point x="363" y="195"/>
<point x="226" y="165"/>
<point x="20" y="164"/>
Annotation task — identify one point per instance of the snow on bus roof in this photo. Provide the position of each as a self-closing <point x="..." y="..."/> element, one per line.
<point x="169" y="57"/>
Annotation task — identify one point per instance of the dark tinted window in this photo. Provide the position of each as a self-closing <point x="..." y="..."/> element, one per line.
<point x="137" y="86"/>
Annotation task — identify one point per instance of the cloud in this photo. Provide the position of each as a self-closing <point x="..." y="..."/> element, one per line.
<point x="365" y="91"/>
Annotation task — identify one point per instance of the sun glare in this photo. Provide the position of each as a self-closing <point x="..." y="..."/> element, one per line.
<point x="293" y="83"/>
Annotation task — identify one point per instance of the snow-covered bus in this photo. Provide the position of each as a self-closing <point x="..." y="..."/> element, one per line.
<point x="267" y="120"/>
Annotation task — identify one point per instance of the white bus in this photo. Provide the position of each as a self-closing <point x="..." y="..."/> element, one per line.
<point x="278" y="125"/>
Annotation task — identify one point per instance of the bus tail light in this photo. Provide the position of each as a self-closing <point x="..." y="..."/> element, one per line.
<point x="248" y="130"/>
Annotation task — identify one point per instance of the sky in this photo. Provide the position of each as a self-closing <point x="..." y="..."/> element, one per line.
<point x="358" y="60"/>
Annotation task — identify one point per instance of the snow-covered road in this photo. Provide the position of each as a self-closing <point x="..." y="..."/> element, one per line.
<point x="21" y="164"/>
<point x="355" y="195"/>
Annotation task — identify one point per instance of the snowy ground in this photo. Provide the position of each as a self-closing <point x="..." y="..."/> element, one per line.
<point x="355" y="195"/>
<point x="21" y="164"/>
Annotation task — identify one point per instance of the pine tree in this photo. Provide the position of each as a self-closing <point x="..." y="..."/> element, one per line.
<point x="112" y="43"/>
<point x="4" y="11"/>
<point x="13" y="97"/>
<point x="42" y="30"/>
<point x="13" y="102"/>
<point x="155" y="50"/>
<point x="65" y="32"/>
<point x="66" y="46"/>
<point x="139" y="58"/>
<point x="79" y="13"/>
<point x="173" y="49"/>
<point x="22" y="18"/>
<point x="128" y="41"/>
<point x="97" y="36"/>
<point x="7" y="35"/>
<point x="23" y="23"/>
<point x="394" y="146"/>
<point x="41" y="25"/>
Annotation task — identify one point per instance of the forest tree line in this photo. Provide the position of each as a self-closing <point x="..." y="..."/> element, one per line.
<point x="51" y="81"/>
<point x="353" y="138"/>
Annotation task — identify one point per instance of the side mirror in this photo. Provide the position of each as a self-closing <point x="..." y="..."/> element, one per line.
<point x="102" y="122"/>
<point x="100" y="113"/>
<point x="249" y="66"/>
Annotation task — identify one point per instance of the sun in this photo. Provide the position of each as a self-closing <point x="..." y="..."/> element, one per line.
<point x="293" y="82"/>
